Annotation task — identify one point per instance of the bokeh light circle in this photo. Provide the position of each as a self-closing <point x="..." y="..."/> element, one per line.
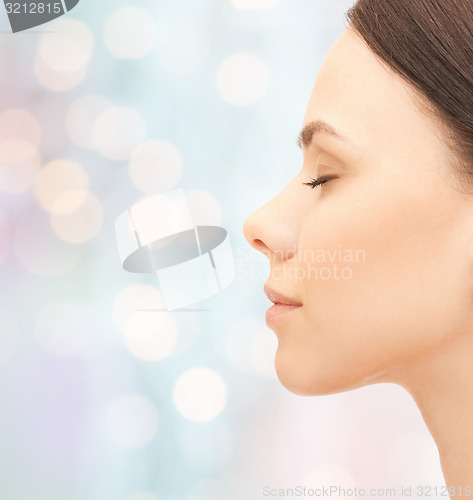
<point x="205" y="210"/>
<point x="155" y="166"/>
<point x="130" y="33"/>
<point x="132" y="421"/>
<point x="118" y="131"/>
<point x="200" y="394"/>
<point x="151" y="335"/>
<point x="330" y="474"/>
<point x="19" y="165"/>
<point x="242" y="79"/>
<point x="81" y="115"/>
<point x="20" y="124"/>
<point x="57" y="178"/>
<point x="68" y="48"/>
<point x="146" y="211"/>
<point x="63" y="55"/>
<point x="57" y="81"/>
<point x="76" y="216"/>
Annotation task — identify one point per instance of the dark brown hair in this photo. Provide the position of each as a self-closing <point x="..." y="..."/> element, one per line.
<point x="429" y="43"/>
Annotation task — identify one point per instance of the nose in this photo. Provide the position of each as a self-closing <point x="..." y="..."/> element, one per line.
<point x="273" y="229"/>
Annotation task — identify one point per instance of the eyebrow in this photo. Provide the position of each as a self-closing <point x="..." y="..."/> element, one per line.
<point x="304" y="138"/>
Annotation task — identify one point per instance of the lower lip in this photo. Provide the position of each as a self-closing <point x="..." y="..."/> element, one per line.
<point x="278" y="310"/>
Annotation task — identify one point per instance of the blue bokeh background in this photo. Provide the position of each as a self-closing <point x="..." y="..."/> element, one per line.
<point x="91" y="410"/>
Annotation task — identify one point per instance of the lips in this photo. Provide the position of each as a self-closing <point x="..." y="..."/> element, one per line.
<point x="279" y="298"/>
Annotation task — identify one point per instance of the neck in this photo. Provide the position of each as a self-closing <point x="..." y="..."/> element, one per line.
<point x="441" y="384"/>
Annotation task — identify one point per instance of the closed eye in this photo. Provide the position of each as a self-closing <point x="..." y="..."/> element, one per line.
<point x="320" y="180"/>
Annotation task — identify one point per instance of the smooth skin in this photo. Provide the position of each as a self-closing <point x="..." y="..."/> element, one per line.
<point x="405" y="314"/>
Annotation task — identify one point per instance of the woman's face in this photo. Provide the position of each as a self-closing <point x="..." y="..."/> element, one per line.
<point x="380" y="255"/>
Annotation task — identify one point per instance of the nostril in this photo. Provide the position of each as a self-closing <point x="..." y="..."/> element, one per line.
<point x="271" y="234"/>
<point x="284" y="254"/>
<point x="271" y="253"/>
<point x="260" y="246"/>
<point x="290" y="255"/>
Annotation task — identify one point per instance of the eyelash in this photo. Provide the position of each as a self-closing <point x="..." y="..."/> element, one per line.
<point x="317" y="182"/>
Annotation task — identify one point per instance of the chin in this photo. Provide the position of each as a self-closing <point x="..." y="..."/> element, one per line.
<point x="304" y="380"/>
<point x="317" y="378"/>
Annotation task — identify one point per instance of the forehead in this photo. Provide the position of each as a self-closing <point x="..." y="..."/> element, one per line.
<point x="375" y="108"/>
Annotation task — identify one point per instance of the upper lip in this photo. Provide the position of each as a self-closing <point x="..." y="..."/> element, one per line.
<point x="279" y="298"/>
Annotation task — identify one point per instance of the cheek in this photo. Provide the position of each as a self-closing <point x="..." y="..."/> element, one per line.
<point x="390" y="289"/>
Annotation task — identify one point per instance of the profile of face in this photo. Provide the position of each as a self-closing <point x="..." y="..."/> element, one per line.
<point x="379" y="253"/>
